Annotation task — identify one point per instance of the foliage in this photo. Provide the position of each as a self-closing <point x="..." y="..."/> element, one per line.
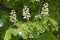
<point x="30" y="29"/>
<point x="9" y="32"/>
<point x="34" y="25"/>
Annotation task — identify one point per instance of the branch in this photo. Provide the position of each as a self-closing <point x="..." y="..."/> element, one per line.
<point x="3" y="7"/>
<point x="40" y="8"/>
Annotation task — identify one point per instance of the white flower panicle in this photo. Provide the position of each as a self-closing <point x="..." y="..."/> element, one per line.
<point x="26" y="13"/>
<point x="45" y="9"/>
<point x="13" y="16"/>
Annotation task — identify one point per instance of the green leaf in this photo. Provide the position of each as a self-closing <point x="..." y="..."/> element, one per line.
<point x="25" y="35"/>
<point x="18" y="24"/>
<point x="45" y="26"/>
<point x="38" y="26"/>
<point x="30" y="35"/>
<point x="54" y="23"/>
<point x="33" y="1"/>
<point x="7" y="35"/>
<point x="9" y="32"/>
<point x="44" y="23"/>
<point x="14" y="32"/>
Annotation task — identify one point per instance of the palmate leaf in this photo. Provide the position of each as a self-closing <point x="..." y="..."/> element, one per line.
<point x="20" y="29"/>
<point x="38" y="26"/>
<point x="45" y="26"/>
<point x="9" y="32"/>
<point x="7" y="35"/>
<point x="44" y="23"/>
<point x="19" y="26"/>
<point x="31" y="35"/>
<point x="30" y="25"/>
<point x="54" y="23"/>
<point x="25" y="35"/>
<point x="44" y="19"/>
<point x="25" y="27"/>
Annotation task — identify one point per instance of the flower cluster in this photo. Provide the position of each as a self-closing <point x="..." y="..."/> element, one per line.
<point x="45" y="9"/>
<point x="13" y="16"/>
<point x="26" y="13"/>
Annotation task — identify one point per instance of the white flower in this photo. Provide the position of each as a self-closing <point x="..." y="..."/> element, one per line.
<point x="24" y="17"/>
<point x="49" y="24"/>
<point x="13" y="16"/>
<point x="21" y="33"/>
<point x="42" y="31"/>
<point x="47" y="4"/>
<point x="28" y="9"/>
<point x="11" y="20"/>
<point x="26" y="13"/>
<point x="45" y="9"/>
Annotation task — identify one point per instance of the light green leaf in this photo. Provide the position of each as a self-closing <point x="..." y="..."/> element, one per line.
<point x="25" y="35"/>
<point x="9" y="32"/>
<point x="54" y="23"/>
